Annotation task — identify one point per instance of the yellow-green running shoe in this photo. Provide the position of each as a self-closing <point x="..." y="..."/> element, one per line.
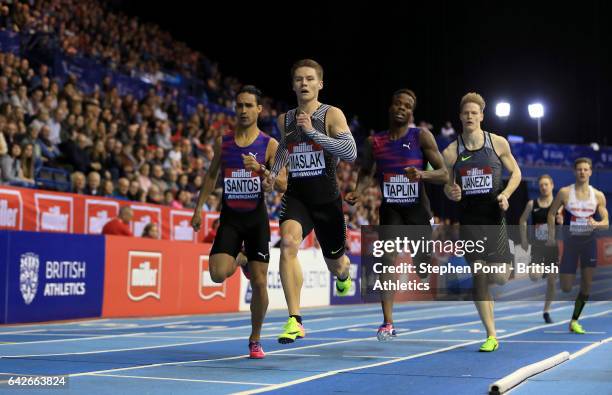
<point x="343" y="287"/>
<point x="292" y="330"/>
<point x="490" y="345"/>
<point x="576" y="328"/>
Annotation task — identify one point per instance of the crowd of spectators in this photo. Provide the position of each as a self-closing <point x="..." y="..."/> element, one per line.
<point x="115" y="145"/>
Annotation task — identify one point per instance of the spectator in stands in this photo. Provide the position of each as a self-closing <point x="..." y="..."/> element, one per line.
<point x="108" y="188"/>
<point x="170" y="200"/>
<point x="76" y="153"/>
<point x="3" y="146"/>
<point x="123" y="187"/>
<point x="119" y="226"/>
<point x="78" y="183"/>
<point x="28" y="162"/>
<point x="135" y="193"/>
<point x="154" y="195"/>
<point x="151" y="231"/>
<point x="158" y="178"/>
<point x="48" y="152"/>
<point x="143" y="177"/>
<point x="212" y="203"/>
<point x="448" y="131"/>
<point x="93" y="184"/>
<point x="12" y="170"/>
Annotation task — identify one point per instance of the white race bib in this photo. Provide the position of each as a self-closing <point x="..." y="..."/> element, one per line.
<point x="306" y="160"/>
<point x="541" y="232"/>
<point x="398" y="189"/>
<point x="476" y="181"/>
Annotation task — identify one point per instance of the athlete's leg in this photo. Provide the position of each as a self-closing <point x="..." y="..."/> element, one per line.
<point x="259" y="301"/>
<point x="221" y="266"/>
<point x="290" y="269"/>
<point x="551" y="282"/>
<point x="483" y="302"/>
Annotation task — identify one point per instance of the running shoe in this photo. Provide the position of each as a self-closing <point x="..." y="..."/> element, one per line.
<point x="575" y="327"/>
<point x="490" y="345"/>
<point x="386" y="332"/>
<point x="256" y="350"/>
<point x="547" y="318"/>
<point x="343" y="287"/>
<point x="292" y="330"/>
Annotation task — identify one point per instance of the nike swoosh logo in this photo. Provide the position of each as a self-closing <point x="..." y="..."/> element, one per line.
<point x="338" y="250"/>
<point x="536" y="209"/>
<point x="464" y="158"/>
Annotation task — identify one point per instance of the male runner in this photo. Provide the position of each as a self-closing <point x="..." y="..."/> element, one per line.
<point x="580" y="202"/>
<point x="244" y="217"/>
<point x="398" y="157"/>
<point x="541" y="254"/>
<point x="476" y="159"/>
<point x="314" y="137"/>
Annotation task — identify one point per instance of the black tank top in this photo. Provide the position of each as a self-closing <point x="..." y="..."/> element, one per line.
<point x="479" y="174"/>
<point x="539" y="219"/>
<point x="311" y="170"/>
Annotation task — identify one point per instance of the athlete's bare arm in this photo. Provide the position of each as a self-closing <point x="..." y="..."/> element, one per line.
<point x="560" y="200"/>
<point x="366" y="172"/>
<point x="602" y="211"/>
<point x="523" y="224"/>
<point x="430" y="150"/>
<point x="502" y="147"/>
<point x="210" y="180"/>
<point x="452" y="190"/>
<point x="339" y="141"/>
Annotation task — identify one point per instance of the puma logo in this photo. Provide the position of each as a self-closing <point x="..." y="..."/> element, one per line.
<point x="254" y="155"/>
<point x="263" y="255"/>
<point x="406" y="145"/>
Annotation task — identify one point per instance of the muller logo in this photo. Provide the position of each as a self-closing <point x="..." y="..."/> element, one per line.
<point x="54" y="213"/>
<point x="209" y="289"/>
<point x="144" y="275"/>
<point x="11" y="210"/>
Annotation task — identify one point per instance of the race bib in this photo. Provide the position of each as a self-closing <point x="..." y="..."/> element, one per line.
<point x="541" y="232"/>
<point x="476" y="181"/>
<point x="306" y="160"/>
<point x="580" y="226"/>
<point x="241" y="184"/>
<point x="398" y="189"/>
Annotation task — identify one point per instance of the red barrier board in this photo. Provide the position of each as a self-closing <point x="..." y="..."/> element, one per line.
<point x="146" y="277"/>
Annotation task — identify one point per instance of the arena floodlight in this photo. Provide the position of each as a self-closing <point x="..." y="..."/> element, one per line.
<point x="536" y="110"/>
<point x="502" y="109"/>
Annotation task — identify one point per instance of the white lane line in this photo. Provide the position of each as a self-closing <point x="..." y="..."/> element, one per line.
<point x="125" y="326"/>
<point x="505" y="341"/>
<point x="209" y="341"/>
<point x="309" y="346"/>
<point x="589" y="348"/>
<point x="188" y="380"/>
<point x="568" y="332"/>
<point x="401" y="359"/>
<point x="73" y="339"/>
<point x="295" y="355"/>
<point x="577" y="354"/>
<point x="367" y="356"/>
<point x="23" y="332"/>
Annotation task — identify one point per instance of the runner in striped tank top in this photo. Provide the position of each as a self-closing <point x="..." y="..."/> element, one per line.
<point x="476" y="160"/>
<point x="315" y="137"/>
<point x="543" y="257"/>
<point x="580" y="202"/>
<point x="398" y="157"/>
<point x="240" y="157"/>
